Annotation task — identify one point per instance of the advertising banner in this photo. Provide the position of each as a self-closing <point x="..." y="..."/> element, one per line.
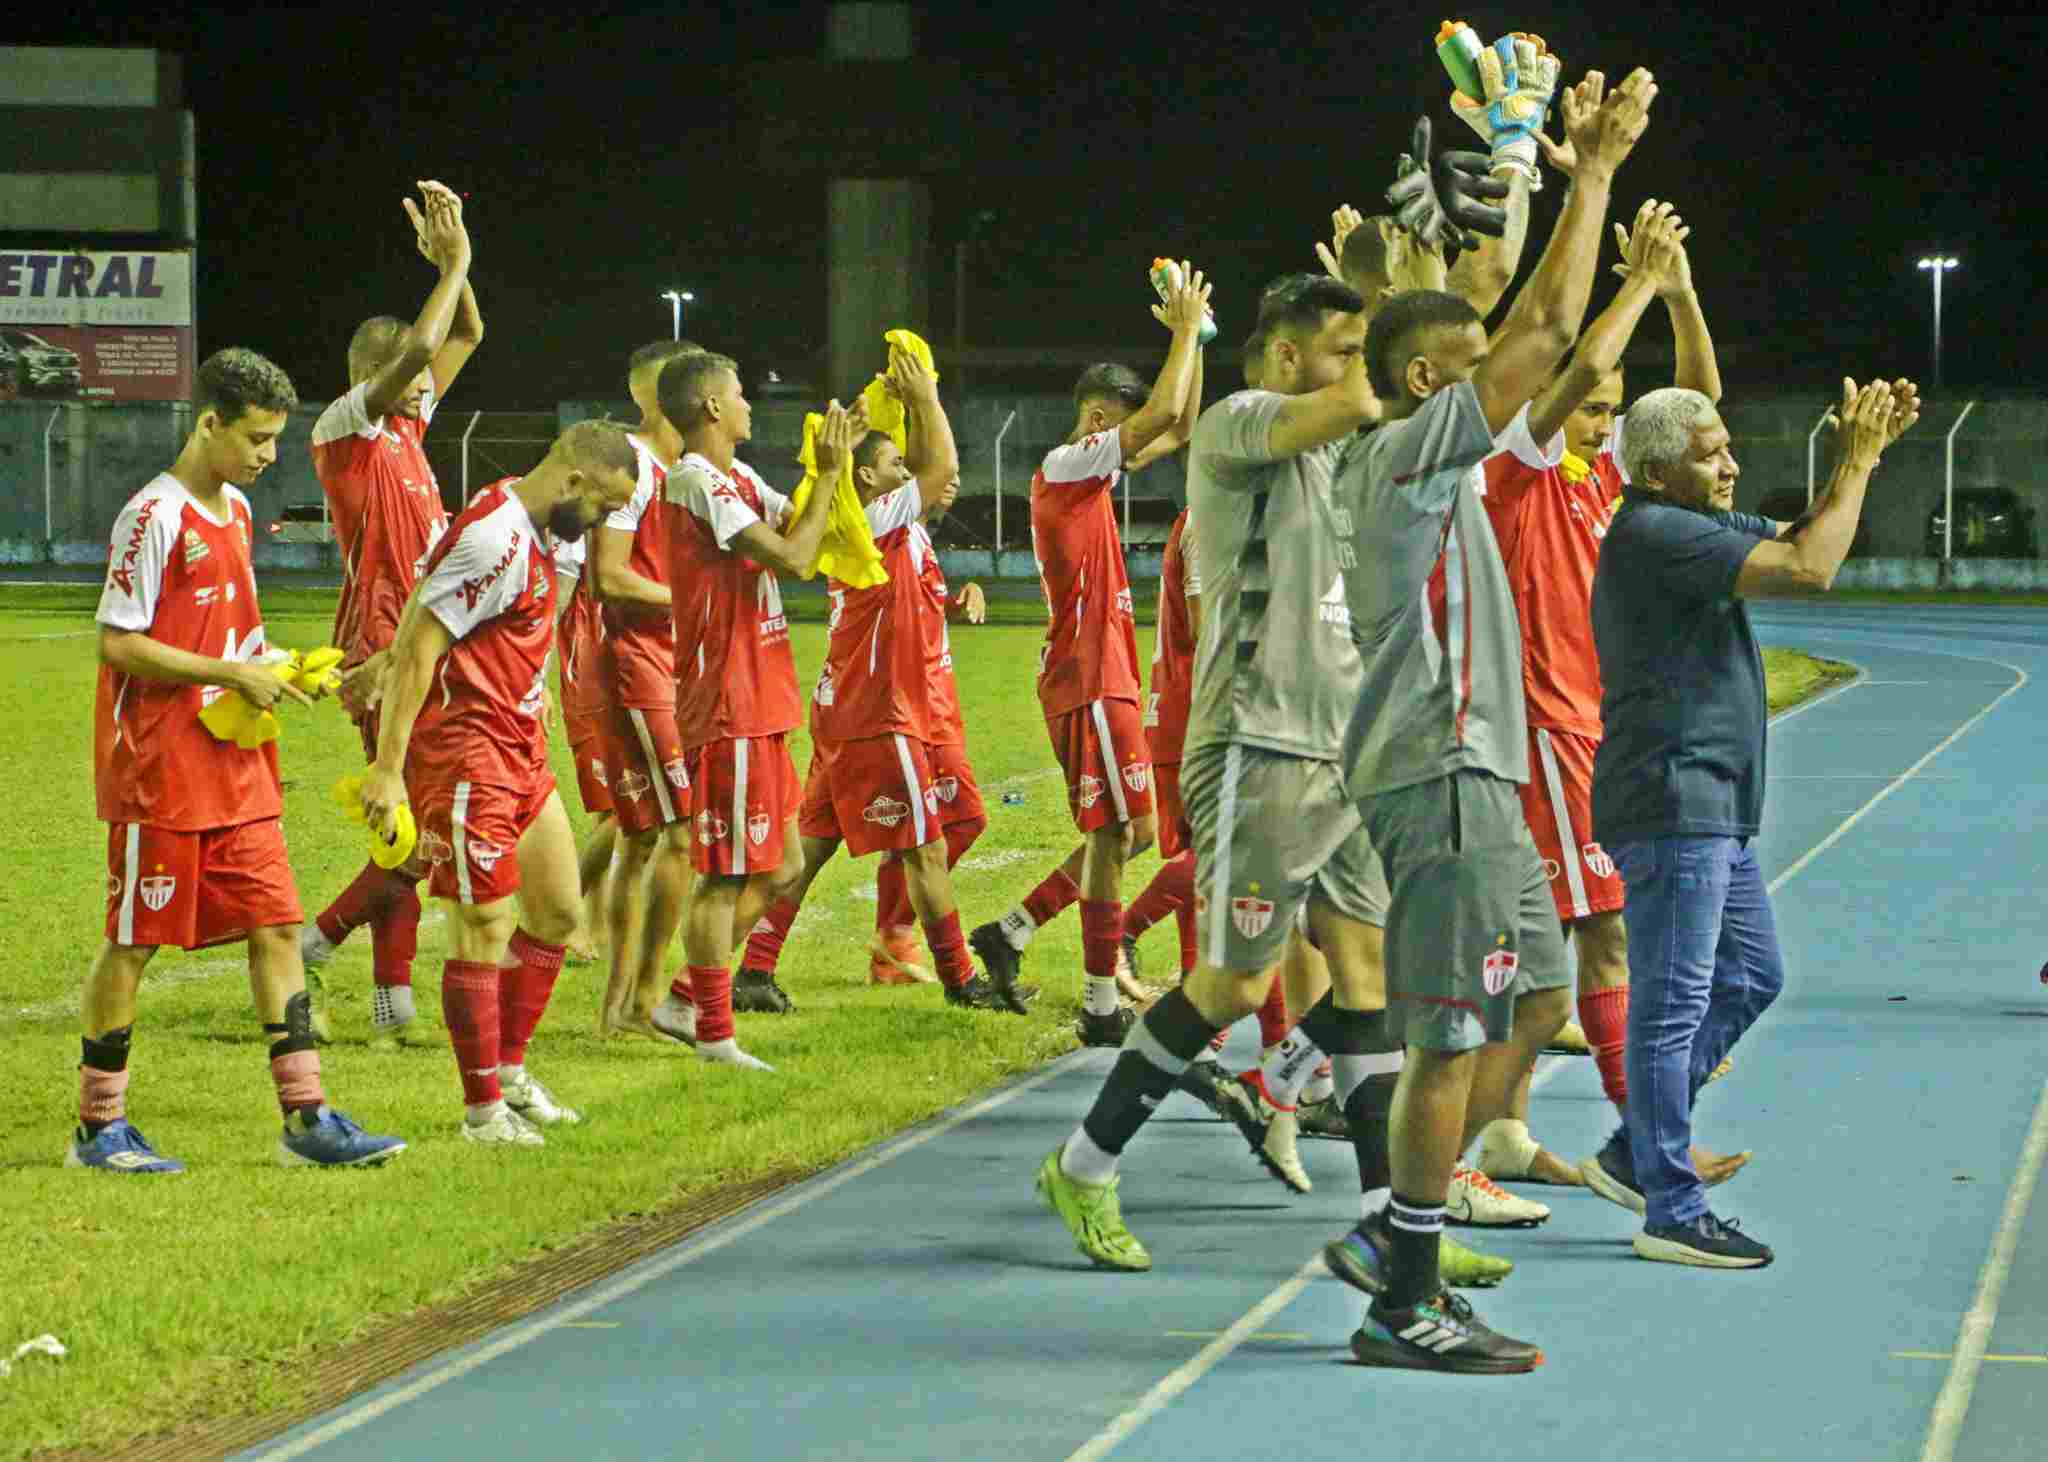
<point x="96" y="326"/>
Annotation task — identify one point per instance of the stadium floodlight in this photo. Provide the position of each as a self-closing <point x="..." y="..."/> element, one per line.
<point x="677" y="298"/>
<point x="1938" y="265"/>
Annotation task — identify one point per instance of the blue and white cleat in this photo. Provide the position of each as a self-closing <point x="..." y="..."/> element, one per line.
<point x="332" y="1140"/>
<point x="118" y="1149"/>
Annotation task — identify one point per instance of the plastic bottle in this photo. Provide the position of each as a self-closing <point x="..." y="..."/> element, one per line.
<point x="1458" y="47"/>
<point x="1165" y="279"/>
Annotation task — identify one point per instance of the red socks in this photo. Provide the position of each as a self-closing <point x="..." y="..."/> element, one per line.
<point x="1044" y="903"/>
<point x="1603" y="1016"/>
<point x="1273" y="1022"/>
<point x="892" y="899"/>
<point x="713" y="987"/>
<point x="764" y="945"/>
<point x="681" y="988"/>
<point x="395" y="934"/>
<point x="949" y="950"/>
<point x="525" y="981"/>
<point x="1172" y="889"/>
<point x="469" y="1004"/>
<point x="1190" y="937"/>
<point x="1102" y="931"/>
<point x="370" y="895"/>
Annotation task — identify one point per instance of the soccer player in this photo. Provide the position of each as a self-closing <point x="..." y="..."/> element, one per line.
<point x="195" y="845"/>
<point x="1438" y="743"/>
<point x="580" y="670"/>
<point x="877" y="781"/>
<point x="461" y="739"/>
<point x="736" y="688"/>
<point x="1088" y="684"/>
<point x="369" y="449"/>
<point x="643" y="751"/>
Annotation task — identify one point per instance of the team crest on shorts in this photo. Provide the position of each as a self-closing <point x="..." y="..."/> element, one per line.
<point x="156" y="892"/>
<point x="678" y="775"/>
<point x="1138" y="775"/>
<point x="885" y="811"/>
<point x="1552" y="868"/>
<point x="947" y="788"/>
<point x="1252" y="915"/>
<point x="434" y="848"/>
<point x="710" y="829"/>
<point x="1597" y="859"/>
<point x="1497" y="970"/>
<point x="757" y="829"/>
<point x="633" y="784"/>
<point x="1088" y="791"/>
<point x="484" y="855"/>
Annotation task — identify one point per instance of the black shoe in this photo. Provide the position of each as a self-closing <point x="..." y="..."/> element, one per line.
<point x="1611" y="1172"/>
<point x="1706" y="1242"/>
<point x="1106" y="1030"/>
<point x="755" y="992"/>
<point x="1325" y="1119"/>
<point x="980" y="993"/>
<point x="996" y="956"/>
<point x="1130" y="948"/>
<point x="1439" y="1335"/>
<point x="1201" y="1081"/>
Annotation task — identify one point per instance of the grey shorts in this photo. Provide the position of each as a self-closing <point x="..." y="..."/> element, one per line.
<point x="1472" y="926"/>
<point x="1272" y="831"/>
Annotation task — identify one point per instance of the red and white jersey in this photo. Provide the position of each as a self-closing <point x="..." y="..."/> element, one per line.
<point x="180" y="575"/>
<point x="582" y="660"/>
<point x="643" y="642"/>
<point x="491" y="583"/>
<point x="1091" y="650"/>
<point x="1607" y="466"/>
<point x="945" y="726"/>
<point x="1549" y="530"/>
<point x="735" y="673"/>
<point x="877" y="678"/>
<point x="1173" y="650"/>
<point x="387" y="514"/>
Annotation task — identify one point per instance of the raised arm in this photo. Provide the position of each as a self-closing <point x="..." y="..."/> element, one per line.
<point x="1183" y="429"/>
<point x="445" y="242"/>
<point x="1544" y="319"/>
<point x="1182" y="313"/>
<point x="794" y="549"/>
<point x="1482" y="275"/>
<point x="1806" y="558"/>
<point x="1697" y="368"/>
<point x="930" y="451"/>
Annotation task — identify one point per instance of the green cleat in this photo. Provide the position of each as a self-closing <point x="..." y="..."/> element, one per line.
<point x="1360" y="1259"/>
<point x="1092" y="1216"/>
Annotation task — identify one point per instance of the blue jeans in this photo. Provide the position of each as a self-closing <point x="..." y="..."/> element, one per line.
<point x="1703" y="964"/>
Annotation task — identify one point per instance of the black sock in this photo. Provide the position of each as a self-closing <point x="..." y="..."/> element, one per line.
<point x="1416" y="1233"/>
<point x="1363" y="1047"/>
<point x="1156" y="1052"/>
<point x="107" y="1053"/>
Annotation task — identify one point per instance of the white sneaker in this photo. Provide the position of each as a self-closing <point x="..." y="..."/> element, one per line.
<point x="525" y="1095"/>
<point x="1477" y="1200"/>
<point x="1280" y="1149"/>
<point x="676" y="1018"/>
<point x="503" y="1128"/>
<point x="728" y="1053"/>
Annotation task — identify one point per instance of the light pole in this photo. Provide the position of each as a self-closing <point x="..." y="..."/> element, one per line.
<point x="677" y="298"/>
<point x="1938" y="265"/>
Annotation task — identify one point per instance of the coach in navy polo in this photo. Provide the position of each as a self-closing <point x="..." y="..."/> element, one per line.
<point x="1678" y="784"/>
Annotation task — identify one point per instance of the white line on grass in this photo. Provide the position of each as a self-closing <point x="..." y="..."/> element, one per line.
<point x="642" y="1276"/>
<point x="1953" y="1404"/>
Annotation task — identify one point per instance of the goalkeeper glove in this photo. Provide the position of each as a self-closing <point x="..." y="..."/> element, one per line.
<point x="1519" y="76"/>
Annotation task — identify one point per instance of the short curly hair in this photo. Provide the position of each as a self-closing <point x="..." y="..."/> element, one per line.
<point x="237" y="380"/>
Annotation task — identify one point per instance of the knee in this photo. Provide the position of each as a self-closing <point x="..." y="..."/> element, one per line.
<point x="1139" y="835"/>
<point x="1603" y="952"/>
<point x="1543" y="1013"/>
<point x="549" y="924"/>
<point x="1224" y="997"/>
<point x="271" y="940"/>
<point x="925" y="862"/>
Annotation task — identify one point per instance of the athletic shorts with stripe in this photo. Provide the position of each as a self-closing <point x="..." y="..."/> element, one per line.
<point x="877" y="793"/>
<point x="743" y="794"/>
<point x="648" y="774"/>
<point x="192" y="889"/>
<point x="1108" y="763"/>
<point x="1270" y="832"/>
<point x="1557" y="800"/>
<point x="587" y="753"/>
<point x="470" y="832"/>
<point x="1471" y="927"/>
<point x="1175" y="836"/>
<point x="953" y="779"/>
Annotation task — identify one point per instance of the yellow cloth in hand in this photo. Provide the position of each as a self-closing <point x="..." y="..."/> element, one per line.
<point x="885" y="411"/>
<point x="348" y="796"/>
<point x="231" y="718"/>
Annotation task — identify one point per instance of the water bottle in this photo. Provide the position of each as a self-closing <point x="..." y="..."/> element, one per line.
<point x="1165" y="278"/>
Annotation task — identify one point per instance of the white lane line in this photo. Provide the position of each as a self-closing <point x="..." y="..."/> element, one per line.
<point x="1861" y="678"/>
<point x="356" y="1417"/>
<point x="1953" y="1404"/>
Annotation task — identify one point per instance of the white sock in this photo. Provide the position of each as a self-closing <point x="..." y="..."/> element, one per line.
<point x="1017" y="927"/>
<point x="1374" y="1200"/>
<point x="482" y="1112"/>
<point x="1321" y="1086"/>
<point x="728" y="1053"/>
<point x="1084" y="1162"/>
<point x="1100" y="996"/>
<point x="1287" y="1067"/>
<point x="391" y="1006"/>
<point x="512" y="1073"/>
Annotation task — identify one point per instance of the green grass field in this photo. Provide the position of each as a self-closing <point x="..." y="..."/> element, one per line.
<point x="197" y="1297"/>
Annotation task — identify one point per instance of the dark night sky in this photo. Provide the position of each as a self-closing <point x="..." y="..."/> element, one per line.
<point x="1816" y="159"/>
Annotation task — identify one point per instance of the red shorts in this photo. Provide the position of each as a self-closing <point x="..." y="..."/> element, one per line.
<point x="470" y="832"/>
<point x="198" y="888"/>
<point x="742" y="794"/>
<point x="953" y="780"/>
<point x="1102" y="749"/>
<point x="1557" y="801"/>
<point x="650" y="777"/>
<point x="1175" y="835"/>
<point x="879" y="794"/>
<point x="586" y="752"/>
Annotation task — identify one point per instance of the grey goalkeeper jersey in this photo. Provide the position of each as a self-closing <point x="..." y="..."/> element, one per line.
<point x="1275" y="666"/>
<point x="1431" y="605"/>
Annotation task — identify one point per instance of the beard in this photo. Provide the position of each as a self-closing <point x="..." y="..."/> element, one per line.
<point x="566" y="523"/>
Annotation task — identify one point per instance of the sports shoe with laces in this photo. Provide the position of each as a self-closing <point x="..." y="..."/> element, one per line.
<point x="1361" y="1259"/>
<point x="676" y="1018"/>
<point x="1324" y="1119"/>
<point x="525" y="1095"/>
<point x="118" y="1148"/>
<point x="1611" y="1172"/>
<point x="1477" y="1200"/>
<point x="1440" y="1334"/>
<point x="895" y="959"/>
<point x="1203" y="1081"/>
<point x="1706" y="1242"/>
<point x="330" y="1139"/>
<point x="755" y="992"/>
<point x="1280" y="1153"/>
<point x="1093" y="1216"/>
<point x="502" y="1127"/>
<point x="1245" y="1103"/>
<point x="1002" y="962"/>
<point x="979" y="993"/>
<point x="1101" y="1030"/>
